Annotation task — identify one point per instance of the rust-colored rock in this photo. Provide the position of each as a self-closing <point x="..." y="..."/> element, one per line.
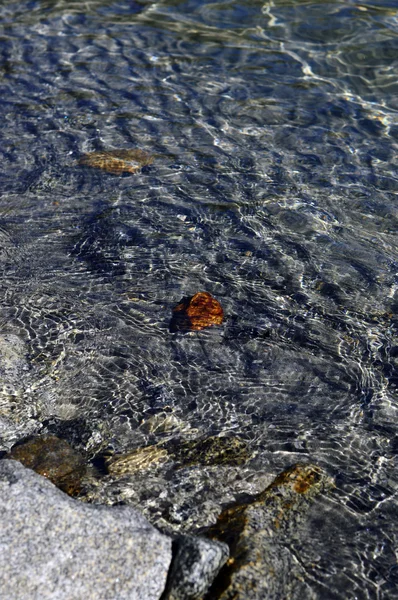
<point x="196" y="313"/>
<point x="53" y="458"/>
<point x="117" y="162"/>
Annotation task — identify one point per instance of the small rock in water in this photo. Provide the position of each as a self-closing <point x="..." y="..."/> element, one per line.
<point x="196" y="313"/>
<point x="117" y="161"/>
<point x="138" y="460"/>
<point x="53" y="458"/>
<point x="259" y="535"/>
<point x="213" y="450"/>
<point x="164" y="423"/>
<point x="195" y="564"/>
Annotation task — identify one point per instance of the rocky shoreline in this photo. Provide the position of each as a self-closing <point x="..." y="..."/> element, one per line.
<point x="58" y="547"/>
<point x="60" y="544"/>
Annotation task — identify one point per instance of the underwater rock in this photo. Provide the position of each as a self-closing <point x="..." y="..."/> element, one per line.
<point x="138" y="460"/>
<point x="117" y="161"/>
<point x="210" y="451"/>
<point x="196" y="313"/>
<point x="53" y="458"/>
<point x="195" y="564"/>
<point x="261" y="566"/>
<point x="57" y="548"/>
<point x="213" y="450"/>
<point x="164" y="423"/>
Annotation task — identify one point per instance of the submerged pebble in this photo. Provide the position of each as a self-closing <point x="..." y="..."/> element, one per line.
<point x="53" y="458"/>
<point x="117" y="161"/>
<point x="210" y="451"/>
<point x="13" y="362"/>
<point x="197" y="312"/>
<point x="138" y="460"/>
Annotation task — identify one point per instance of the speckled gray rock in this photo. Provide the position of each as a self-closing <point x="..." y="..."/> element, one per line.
<point x="55" y="547"/>
<point x="196" y="563"/>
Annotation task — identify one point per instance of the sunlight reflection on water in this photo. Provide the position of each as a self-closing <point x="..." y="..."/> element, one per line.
<point x="274" y="131"/>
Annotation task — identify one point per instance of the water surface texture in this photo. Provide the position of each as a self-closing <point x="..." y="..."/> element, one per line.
<point x="274" y="131"/>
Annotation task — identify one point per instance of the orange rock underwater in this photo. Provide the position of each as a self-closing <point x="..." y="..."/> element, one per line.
<point x="196" y="313"/>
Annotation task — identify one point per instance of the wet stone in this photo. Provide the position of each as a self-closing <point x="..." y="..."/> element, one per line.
<point x="53" y="458"/>
<point x="197" y="312"/>
<point x="117" y="162"/>
<point x="196" y="562"/>
<point x="138" y="460"/>
<point x="210" y="451"/>
<point x="213" y="450"/>
<point x="259" y="535"/>
<point x="163" y="423"/>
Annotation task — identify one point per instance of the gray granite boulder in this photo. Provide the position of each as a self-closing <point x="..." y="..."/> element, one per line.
<point x="196" y="563"/>
<point x="55" y="547"/>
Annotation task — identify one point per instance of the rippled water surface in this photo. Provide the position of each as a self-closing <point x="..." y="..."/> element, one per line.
<point x="274" y="130"/>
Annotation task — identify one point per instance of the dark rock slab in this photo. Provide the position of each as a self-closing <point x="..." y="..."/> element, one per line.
<point x="196" y="563"/>
<point x="259" y="534"/>
<point x="54" y="547"/>
<point x="53" y="458"/>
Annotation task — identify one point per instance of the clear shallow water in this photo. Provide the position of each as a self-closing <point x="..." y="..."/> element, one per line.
<point x="274" y="187"/>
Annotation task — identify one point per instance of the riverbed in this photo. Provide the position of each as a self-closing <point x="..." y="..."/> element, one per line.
<point x="273" y="129"/>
